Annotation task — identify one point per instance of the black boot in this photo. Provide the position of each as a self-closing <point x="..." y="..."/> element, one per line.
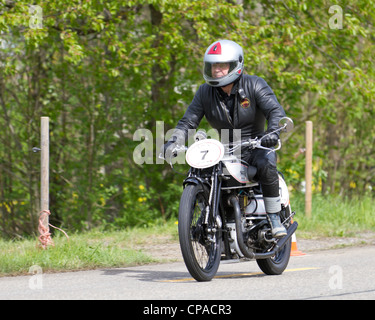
<point x="278" y="230"/>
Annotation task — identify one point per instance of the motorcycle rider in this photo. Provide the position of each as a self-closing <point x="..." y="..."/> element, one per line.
<point x="232" y="100"/>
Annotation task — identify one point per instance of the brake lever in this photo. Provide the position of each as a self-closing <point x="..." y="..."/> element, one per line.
<point x="257" y="144"/>
<point x="278" y="145"/>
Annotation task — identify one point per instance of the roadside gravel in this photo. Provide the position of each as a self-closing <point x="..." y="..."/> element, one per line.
<point x="168" y="250"/>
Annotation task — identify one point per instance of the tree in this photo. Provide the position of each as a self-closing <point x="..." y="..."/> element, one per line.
<point x="103" y="69"/>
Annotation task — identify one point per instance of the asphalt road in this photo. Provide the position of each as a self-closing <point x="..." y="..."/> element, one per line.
<point x="330" y="274"/>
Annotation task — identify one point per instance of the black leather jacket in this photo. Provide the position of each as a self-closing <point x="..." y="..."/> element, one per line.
<point x="252" y="106"/>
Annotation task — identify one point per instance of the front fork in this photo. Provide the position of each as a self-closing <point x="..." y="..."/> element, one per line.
<point x="212" y="210"/>
<point x="211" y="221"/>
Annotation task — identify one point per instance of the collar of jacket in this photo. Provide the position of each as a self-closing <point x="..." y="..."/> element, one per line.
<point x="231" y="113"/>
<point x="224" y="96"/>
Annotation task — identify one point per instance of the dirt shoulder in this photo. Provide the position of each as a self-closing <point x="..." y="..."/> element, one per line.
<point x="310" y="245"/>
<point x="168" y="250"/>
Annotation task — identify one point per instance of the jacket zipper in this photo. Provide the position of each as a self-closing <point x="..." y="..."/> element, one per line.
<point x="226" y="112"/>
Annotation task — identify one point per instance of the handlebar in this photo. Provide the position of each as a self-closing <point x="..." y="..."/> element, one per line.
<point x="252" y="143"/>
<point x="285" y="124"/>
<point x="175" y="151"/>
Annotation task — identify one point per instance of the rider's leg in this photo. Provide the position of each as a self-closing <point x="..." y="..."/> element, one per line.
<point x="268" y="177"/>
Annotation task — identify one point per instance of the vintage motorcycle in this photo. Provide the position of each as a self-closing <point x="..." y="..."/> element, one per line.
<point x="222" y="214"/>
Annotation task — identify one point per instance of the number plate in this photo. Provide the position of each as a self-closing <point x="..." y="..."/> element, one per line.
<point x="205" y="153"/>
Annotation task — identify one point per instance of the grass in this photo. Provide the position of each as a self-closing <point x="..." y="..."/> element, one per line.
<point x="334" y="216"/>
<point x="331" y="217"/>
<point x="83" y="251"/>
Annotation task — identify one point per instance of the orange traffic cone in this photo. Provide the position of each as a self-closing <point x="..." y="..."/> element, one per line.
<point x="295" y="252"/>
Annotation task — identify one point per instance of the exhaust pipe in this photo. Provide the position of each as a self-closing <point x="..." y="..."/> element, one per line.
<point x="279" y="245"/>
<point x="241" y="243"/>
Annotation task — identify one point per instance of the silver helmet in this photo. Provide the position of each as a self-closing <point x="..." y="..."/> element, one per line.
<point x="219" y="53"/>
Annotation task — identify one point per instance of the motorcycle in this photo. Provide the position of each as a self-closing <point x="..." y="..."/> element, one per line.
<point x="222" y="214"/>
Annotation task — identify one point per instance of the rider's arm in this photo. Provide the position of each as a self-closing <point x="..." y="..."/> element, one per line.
<point x="267" y="102"/>
<point x="192" y="117"/>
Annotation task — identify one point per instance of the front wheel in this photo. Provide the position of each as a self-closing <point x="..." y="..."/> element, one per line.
<point x="200" y="247"/>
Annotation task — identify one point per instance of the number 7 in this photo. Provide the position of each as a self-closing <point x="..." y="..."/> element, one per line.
<point x="205" y="153"/>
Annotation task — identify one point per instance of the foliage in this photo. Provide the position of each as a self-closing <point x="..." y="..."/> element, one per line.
<point x="334" y="216"/>
<point x="103" y="69"/>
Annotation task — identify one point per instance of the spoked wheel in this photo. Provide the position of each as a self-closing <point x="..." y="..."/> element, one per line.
<point x="200" y="247"/>
<point x="277" y="264"/>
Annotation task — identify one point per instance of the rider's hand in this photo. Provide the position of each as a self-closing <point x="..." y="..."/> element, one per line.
<point x="270" y="140"/>
<point x="167" y="149"/>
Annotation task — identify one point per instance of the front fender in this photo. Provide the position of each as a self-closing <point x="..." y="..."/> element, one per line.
<point x="196" y="181"/>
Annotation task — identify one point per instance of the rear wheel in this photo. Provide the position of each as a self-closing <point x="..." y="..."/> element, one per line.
<point x="200" y="248"/>
<point x="277" y="264"/>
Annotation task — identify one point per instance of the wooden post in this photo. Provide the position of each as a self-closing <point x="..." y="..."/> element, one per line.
<point x="44" y="159"/>
<point x="308" y="168"/>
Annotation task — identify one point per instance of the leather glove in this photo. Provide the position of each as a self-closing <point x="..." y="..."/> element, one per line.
<point x="166" y="150"/>
<point x="270" y="140"/>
